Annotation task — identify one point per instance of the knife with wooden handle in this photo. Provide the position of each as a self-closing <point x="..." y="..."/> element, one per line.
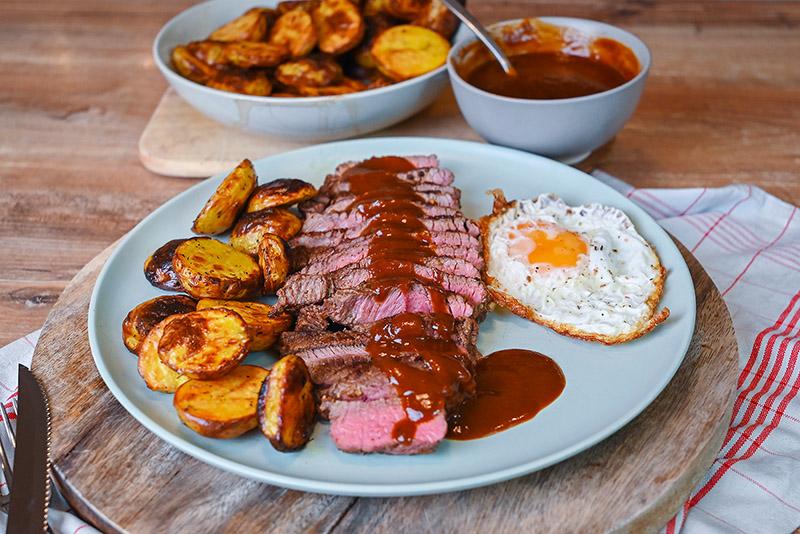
<point x="30" y="485"/>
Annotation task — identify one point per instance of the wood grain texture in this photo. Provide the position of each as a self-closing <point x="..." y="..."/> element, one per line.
<point x="123" y="477"/>
<point x="78" y="86"/>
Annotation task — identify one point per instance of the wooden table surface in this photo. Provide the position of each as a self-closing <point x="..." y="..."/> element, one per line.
<point x="77" y="85"/>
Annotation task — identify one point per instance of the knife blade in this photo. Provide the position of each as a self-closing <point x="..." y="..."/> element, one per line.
<point x="30" y="485"/>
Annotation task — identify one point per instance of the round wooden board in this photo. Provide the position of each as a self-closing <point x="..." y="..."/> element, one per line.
<point x="121" y="477"/>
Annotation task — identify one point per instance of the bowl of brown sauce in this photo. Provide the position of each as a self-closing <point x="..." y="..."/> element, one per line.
<point x="577" y="83"/>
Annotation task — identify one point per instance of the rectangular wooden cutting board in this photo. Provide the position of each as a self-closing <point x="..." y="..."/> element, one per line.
<point x="180" y="141"/>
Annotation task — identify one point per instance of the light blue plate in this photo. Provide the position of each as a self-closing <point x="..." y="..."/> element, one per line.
<point x="606" y="386"/>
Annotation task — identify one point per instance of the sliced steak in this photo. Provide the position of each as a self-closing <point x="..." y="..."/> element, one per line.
<point x="306" y="245"/>
<point x="302" y="290"/>
<point x="323" y="200"/>
<point x="325" y="222"/>
<point x="343" y="203"/>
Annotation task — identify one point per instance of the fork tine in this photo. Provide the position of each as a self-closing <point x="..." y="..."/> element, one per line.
<point x="4" y="453"/>
<point x="12" y="437"/>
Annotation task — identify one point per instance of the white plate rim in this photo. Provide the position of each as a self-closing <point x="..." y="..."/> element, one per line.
<point x="376" y="489"/>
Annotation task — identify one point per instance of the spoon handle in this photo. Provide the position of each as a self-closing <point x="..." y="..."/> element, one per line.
<point x="477" y="28"/>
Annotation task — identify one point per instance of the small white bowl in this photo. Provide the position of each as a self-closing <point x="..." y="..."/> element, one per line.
<point x="567" y="129"/>
<point x="301" y="119"/>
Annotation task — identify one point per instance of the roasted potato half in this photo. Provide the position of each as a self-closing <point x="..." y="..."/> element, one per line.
<point x="437" y="17"/>
<point x="346" y="86"/>
<point x="406" y="51"/>
<point x="190" y="66"/>
<point x="254" y="83"/>
<point x="208" y="268"/>
<point x="252" y="26"/>
<point x="280" y="192"/>
<point x="263" y="328"/>
<point x="247" y="233"/>
<point x="313" y="72"/>
<point x="204" y="344"/>
<point x="294" y="30"/>
<point x="286" y="405"/>
<point x="141" y="319"/>
<point x="156" y="375"/>
<point x="405" y="9"/>
<point x="158" y="267"/>
<point x="291" y="5"/>
<point x="224" y="407"/>
<point x="339" y="25"/>
<point x="221" y="210"/>
<point x="247" y="54"/>
<point x="274" y="262"/>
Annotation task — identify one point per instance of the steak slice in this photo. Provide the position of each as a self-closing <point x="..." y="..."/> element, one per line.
<point x="368" y="427"/>
<point x="419" y="162"/>
<point x="324" y="222"/>
<point x="313" y="243"/>
<point x="426" y="198"/>
<point x="320" y="202"/>
<point x="302" y="290"/>
<point x="336" y="259"/>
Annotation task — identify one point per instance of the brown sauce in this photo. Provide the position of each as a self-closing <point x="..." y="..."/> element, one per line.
<point x="512" y="387"/>
<point x="550" y="63"/>
<point x="419" y="356"/>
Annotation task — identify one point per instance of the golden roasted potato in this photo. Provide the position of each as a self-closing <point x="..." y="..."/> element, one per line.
<point x="437" y="17"/>
<point x="274" y="262"/>
<point x="346" y="86"/>
<point x="406" y="51"/>
<point x="405" y="9"/>
<point x="251" y="227"/>
<point x="313" y="72"/>
<point x="375" y="7"/>
<point x="245" y="82"/>
<point x="339" y="25"/>
<point x="221" y="210"/>
<point x="141" y="319"/>
<point x="224" y="407"/>
<point x="263" y="328"/>
<point x="208" y="268"/>
<point x="252" y="26"/>
<point x="291" y="5"/>
<point x="280" y="192"/>
<point x="204" y="344"/>
<point x="247" y="54"/>
<point x="190" y="66"/>
<point x="158" y="267"/>
<point x="294" y="30"/>
<point x="211" y="53"/>
<point x="156" y="375"/>
<point x="286" y="405"/>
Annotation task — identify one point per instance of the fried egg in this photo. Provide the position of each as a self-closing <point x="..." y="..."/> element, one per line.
<point x="583" y="271"/>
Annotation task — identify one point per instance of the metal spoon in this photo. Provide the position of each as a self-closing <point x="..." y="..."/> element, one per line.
<point x="477" y="28"/>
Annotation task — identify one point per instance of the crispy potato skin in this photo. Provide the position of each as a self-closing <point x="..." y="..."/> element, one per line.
<point x="251" y="227"/>
<point x="405" y="9"/>
<point x="294" y="30"/>
<point x="156" y="375"/>
<point x="224" y="407"/>
<point x="347" y="86"/>
<point x="291" y="5"/>
<point x="204" y="344"/>
<point x="144" y="317"/>
<point x="208" y="268"/>
<point x="242" y="54"/>
<point x="313" y="72"/>
<point x="245" y="82"/>
<point x="158" y="267"/>
<point x="280" y="192"/>
<point x="221" y="210"/>
<point x="407" y="51"/>
<point x="286" y="406"/>
<point x="438" y="18"/>
<point x="339" y="25"/>
<point x="252" y="26"/>
<point x="274" y="262"/>
<point x="190" y="66"/>
<point x="263" y="326"/>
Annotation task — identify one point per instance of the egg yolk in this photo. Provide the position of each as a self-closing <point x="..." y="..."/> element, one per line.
<point x="551" y="246"/>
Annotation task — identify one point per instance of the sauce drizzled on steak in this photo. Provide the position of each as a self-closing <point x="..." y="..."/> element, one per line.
<point x="421" y="358"/>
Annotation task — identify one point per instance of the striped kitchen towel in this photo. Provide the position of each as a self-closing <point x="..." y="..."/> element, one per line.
<point x="749" y="243"/>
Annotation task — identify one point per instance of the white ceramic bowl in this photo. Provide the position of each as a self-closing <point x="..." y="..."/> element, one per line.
<point x="568" y="129"/>
<point x="299" y="119"/>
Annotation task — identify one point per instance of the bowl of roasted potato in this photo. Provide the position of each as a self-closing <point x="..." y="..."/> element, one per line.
<point x="308" y="70"/>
